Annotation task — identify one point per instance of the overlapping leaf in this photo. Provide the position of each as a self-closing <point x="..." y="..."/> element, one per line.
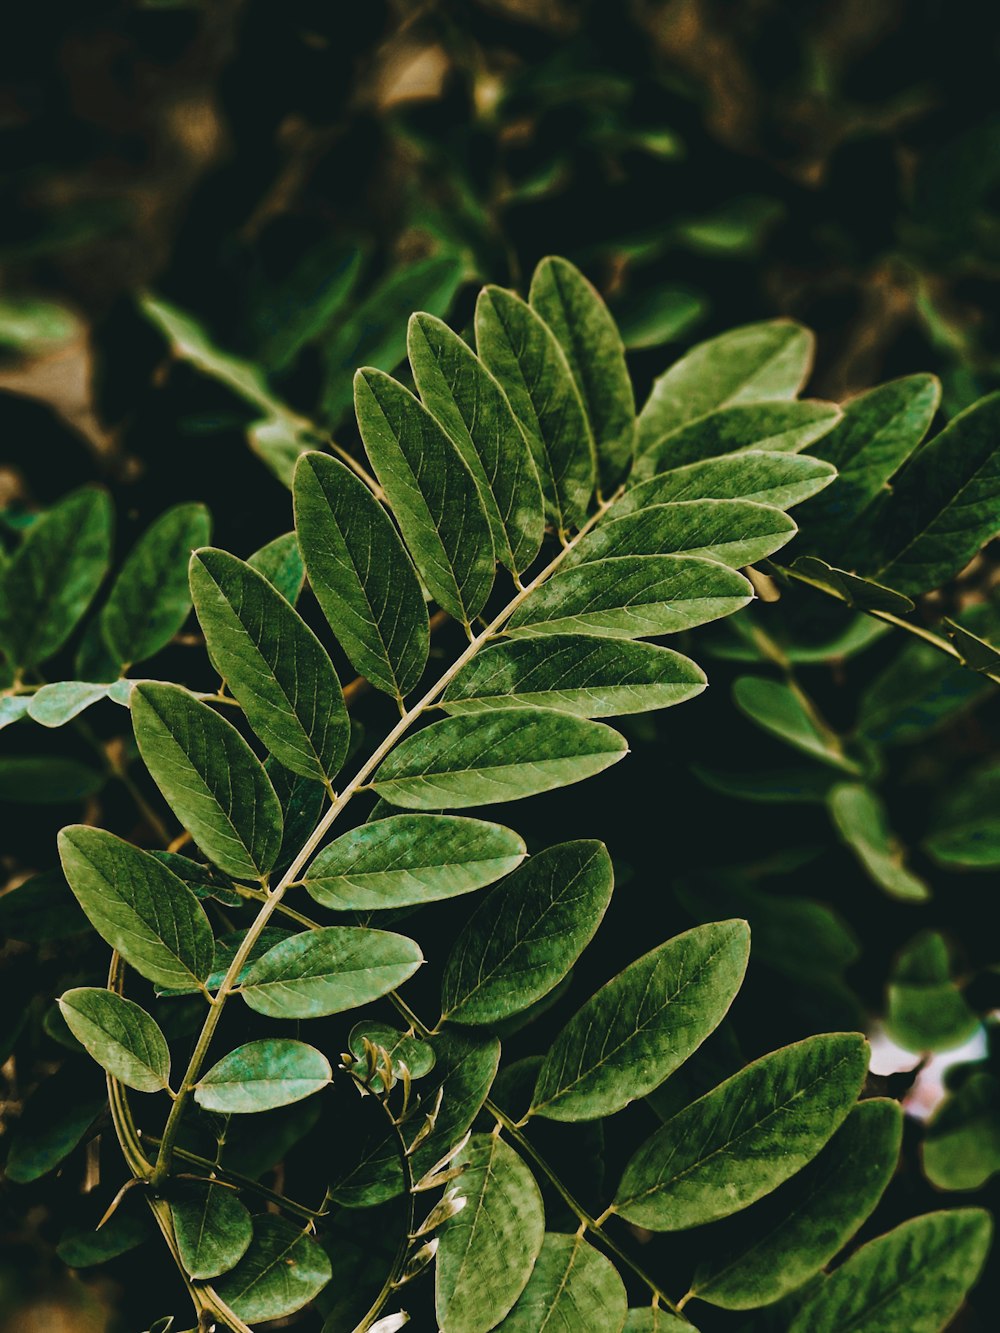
<point x="734" y="532"/>
<point x="461" y="393"/>
<point x="528" y="933"/>
<point x="523" y="354"/>
<point x="273" y="665"/>
<point x="361" y="574"/>
<point x="432" y="492"/>
<point x="742" y="1139"/>
<point x="746" y="365"/>
<point x="210" y="777"/>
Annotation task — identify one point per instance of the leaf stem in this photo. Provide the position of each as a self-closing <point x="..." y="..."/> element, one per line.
<point x="587" y="1222"/>
<point x="291" y="875"/>
<point x="918" y="631"/>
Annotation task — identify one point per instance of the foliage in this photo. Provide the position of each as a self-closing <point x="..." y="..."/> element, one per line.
<point x="555" y="530"/>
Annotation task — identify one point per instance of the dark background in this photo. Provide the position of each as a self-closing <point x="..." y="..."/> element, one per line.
<point x="706" y="164"/>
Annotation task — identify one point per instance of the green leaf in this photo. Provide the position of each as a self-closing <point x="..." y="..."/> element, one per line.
<point x="361" y="575"/>
<point x="961" y="1150"/>
<point x="327" y="971"/>
<point x="273" y="664"/>
<point x="50" y="580"/>
<point x="975" y="652"/>
<point x="589" y="337"/>
<point x="55" y="705"/>
<point x="287" y="316"/>
<point x="528" y="933"/>
<point x="120" y="1036"/>
<point x="944" y="505"/>
<point x="409" y="859"/>
<point x="149" y="601"/>
<point x="39" y="909"/>
<point x="280" y="561"/>
<point x="47" y="779"/>
<point x="209" y="776"/>
<point x="914" y="1277"/>
<point x="778" y="479"/>
<point x="926" y="1009"/>
<point x="781" y="786"/>
<point x="138" y="906"/>
<point x="189" y="341"/>
<point x="464" y="397"/>
<point x="779" y="1243"/>
<point x="283" y="1270"/>
<point x="964" y="829"/>
<point x="643" y="1024"/>
<point x="860" y="819"/>
<point x="279" y="443"/>
<point x="487" y="1251"/>
<point x="656" y="1320"/>
<point x="575" y="673"/>
<point x="522" y="352"/>
<point x="763" y="427"/>
<point x="734" y="532"/>
<point x="742" y="1139"/>
<point x="652" y="316"/>
<point x="865" y="594"/>
<point x="13" y="707"/>
<point x="632" y="597"/>
<point x="81" y="1247"/>
<point x="432" y="493"/>
<point x="213" y="1229"/>
<point x="261" y="1075"/>
<point x="778" y="709"/>
<point x="375" y="332"/>
<point x="53" y="1122"/>
<point x="572" y="1287"/>
<point x="749" y="364"/>
<point x="414" y="1052"/>
<point x="488" y="757"/>
<point x="878" y="432"/>
<point x="465" y="1066"/>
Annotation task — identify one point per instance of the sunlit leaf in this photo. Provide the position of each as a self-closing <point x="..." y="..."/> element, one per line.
<point x="261" y="1075"/>
<point x="120" y="1036"/>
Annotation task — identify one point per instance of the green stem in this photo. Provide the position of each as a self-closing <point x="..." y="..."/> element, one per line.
<point x="592" y="1224"/>
<point x="291" y="875"/>
<point x="928" y="636"/>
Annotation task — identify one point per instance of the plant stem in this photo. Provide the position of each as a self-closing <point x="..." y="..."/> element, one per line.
<point x="918" y="631"/>
<point x="591" y="1224"/>
<point x="291" y="875"/>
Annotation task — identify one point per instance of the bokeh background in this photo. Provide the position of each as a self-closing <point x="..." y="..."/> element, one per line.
<point x="298" y="177"/>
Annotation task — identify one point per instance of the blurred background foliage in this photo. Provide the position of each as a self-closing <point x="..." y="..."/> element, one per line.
<point x="267" y="191"/>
